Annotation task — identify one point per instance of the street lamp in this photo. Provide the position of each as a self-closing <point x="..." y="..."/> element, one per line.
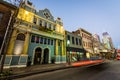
<point x="68" y="44"/>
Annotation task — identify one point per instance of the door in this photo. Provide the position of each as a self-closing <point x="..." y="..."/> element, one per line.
<point x="37" y="56"/>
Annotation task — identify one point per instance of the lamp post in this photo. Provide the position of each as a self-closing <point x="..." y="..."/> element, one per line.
<point x="68" y="44"/>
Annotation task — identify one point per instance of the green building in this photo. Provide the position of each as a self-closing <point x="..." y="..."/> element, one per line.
<point x="74" y="47"/>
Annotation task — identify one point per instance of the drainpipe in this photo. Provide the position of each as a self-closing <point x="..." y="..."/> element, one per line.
<point x="3" y="43"/>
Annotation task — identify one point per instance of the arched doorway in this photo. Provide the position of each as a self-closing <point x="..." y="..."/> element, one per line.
<point x="46" y="56"/>
<point x="37" y="56"/>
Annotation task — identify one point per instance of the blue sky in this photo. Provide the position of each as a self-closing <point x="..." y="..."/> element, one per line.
<point x="96" y="16"/>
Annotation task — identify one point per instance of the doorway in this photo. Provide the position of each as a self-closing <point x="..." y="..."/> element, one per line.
<point x="37" y="56"/>
<point x="46" y="56"/>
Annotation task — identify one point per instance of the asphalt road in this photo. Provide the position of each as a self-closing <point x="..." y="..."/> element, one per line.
<point x="105" y="71"/>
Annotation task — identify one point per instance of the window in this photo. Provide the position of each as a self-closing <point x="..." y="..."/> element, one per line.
<point x="49" y="26"/>
<point x="1" y="15"/>
<point x="45" y="40"/>
<point x="41" y="40"/>
<point x="59" y="43"/>
<point x="40" y="23"/>
<point x="33" y="38"/>
<point x="45" y="24"/>
<point x="37" y="39"/>
<point x="80" y="42"/>
<point x="76" y="41"/>
<point x="73" y="42"/>
<point x="68" y="37"/>
<point x="51" y="42"/>
<point x="48" y="41"/>
<point x="35" y="20"/>
<point x="54" y="28"/>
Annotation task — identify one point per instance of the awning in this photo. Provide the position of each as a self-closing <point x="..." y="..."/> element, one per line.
<point x="75" y="49"/>
<point x="89" y="50"/>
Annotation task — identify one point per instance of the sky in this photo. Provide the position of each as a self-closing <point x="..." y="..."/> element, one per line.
<point x="95" y="16"/>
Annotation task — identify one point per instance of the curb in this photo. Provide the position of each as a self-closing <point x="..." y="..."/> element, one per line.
<point x="43" y="71"/>
<point x="33" y="73"/>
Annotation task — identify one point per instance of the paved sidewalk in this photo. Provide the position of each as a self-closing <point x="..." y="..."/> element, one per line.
<point x="35" y="69"/>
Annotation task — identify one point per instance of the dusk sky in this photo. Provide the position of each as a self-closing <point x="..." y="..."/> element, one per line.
<point x="95" y="16"/>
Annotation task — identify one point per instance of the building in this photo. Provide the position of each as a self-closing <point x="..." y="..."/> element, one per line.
<point x="96" y="44"/>
<point x="108" y="44"/>
<point x="74" y="47"/>
<point x="8" y="13"/>
<point x="86" y="41"/>
<point x="37" y="38"/>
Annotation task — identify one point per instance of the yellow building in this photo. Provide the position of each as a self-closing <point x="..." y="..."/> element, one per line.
<point x="37" y="38"/>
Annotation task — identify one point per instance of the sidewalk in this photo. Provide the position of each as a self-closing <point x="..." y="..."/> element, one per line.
<point x="35" y="69"/>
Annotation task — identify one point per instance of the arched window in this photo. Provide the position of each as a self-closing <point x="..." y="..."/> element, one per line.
<point x="19" y="43"/>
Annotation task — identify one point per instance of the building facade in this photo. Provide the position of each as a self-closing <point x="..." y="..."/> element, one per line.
<point x="96" y="44"/>
<point x="108" y="45"/>
<point x="86" y="41"/>
<point x="74" y="47"/>
<point x="36" y="38"/>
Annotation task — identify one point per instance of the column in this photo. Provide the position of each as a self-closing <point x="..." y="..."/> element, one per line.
<point x="63" y="52"/>
<point x="26" y="44"/>
<point x="12" y="42"/>
<point x="56" y="47"/>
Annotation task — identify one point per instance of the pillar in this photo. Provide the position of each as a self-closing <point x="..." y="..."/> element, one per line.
<point x="12" y="42"/>
<point x="26" y="44"/>
<point x="56" y="48"/>
<point x="63" y="52"/>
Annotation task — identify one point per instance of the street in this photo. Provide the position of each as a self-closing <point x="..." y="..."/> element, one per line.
<point x="105" y="71"/>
